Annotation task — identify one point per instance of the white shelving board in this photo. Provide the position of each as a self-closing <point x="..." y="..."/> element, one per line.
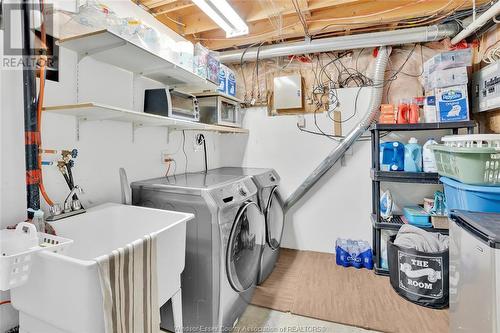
<point x="111" y="48"/>
<point x="98" y="112"/>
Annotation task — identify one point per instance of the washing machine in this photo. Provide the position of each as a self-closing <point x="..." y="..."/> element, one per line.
<point x="271" y="205"/>
<point x="223" y="246"/>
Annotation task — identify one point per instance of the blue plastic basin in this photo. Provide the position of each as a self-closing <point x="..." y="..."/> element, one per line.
<point x="471" y="197"/>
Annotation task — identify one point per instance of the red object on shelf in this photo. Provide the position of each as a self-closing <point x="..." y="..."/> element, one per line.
<point x="414" y="113"/>
<point x="403" y="112"/>
<point x="387" y="114"/>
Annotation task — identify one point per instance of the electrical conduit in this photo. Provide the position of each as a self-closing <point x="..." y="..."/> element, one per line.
<point x="339" y="151"/>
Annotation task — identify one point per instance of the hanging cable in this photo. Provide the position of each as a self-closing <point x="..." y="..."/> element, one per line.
<point x="200" y="139"/>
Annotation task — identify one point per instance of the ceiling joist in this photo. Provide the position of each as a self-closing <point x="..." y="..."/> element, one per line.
<point x="272" y="20"/>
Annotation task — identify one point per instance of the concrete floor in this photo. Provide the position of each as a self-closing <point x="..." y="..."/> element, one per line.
<point x="257" y="319"/>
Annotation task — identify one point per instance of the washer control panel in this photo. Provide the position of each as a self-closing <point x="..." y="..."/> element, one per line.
<point x="235" y="192"/>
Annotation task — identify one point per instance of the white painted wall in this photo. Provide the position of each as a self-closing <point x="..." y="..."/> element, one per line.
<point x="340" y="204"/>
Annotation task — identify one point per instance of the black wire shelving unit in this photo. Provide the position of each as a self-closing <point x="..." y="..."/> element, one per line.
<point x="378" y="176"/>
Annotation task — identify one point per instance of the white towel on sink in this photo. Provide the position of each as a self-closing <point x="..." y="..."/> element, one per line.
<point x="129" y="288"/>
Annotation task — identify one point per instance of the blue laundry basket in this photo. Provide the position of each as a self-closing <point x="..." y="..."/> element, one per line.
<point x="471" y="197"/>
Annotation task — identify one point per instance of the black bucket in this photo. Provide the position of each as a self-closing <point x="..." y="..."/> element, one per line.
<point x="420" y="277"/>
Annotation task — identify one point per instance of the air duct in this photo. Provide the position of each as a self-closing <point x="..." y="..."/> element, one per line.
<point x="374" y="39"/>
<point x="355" y="134"/>
<point x="477" y="23"/>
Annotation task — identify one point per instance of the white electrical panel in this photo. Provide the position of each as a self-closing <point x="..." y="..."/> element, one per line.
<point x="288" y="92"/>
<point x="486" y="88"/>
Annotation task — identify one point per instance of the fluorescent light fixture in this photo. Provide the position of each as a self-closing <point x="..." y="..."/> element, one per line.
<point x="221" y="12"/>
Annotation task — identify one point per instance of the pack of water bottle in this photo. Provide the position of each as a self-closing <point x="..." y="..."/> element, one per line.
<point x="355" y="253"/>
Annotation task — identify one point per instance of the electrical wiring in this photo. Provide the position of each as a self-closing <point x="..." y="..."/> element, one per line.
<point x="200" y="138"/>
<point x="168" y="169"/>
<point x="302" y="19"/>
<point x="184" y="149"/>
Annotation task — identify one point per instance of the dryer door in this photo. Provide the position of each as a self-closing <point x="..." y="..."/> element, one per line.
<point x="245" y="247"/>
<point x="274" y="219"/>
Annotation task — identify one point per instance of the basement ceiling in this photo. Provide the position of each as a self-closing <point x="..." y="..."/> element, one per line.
<point x="279" y="20"/>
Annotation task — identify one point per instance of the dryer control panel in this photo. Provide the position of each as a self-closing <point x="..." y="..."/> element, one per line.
<point x="235" y="192"/>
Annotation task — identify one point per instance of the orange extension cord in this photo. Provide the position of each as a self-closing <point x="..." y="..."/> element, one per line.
<point x="43" y="63"/>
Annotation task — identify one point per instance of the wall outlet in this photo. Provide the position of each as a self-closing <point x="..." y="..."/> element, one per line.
<point x="166" y="157"/>
<point x="301" y="121"/>
<point x="198" y="142"/>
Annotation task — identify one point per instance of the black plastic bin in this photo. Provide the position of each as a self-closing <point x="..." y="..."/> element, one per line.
<point x="420" y="277"/>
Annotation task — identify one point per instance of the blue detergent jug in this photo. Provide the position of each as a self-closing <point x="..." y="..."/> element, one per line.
<point x="413" y="156"/>
<point x="392" y="156"/>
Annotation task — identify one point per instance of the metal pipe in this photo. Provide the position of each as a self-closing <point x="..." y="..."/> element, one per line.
<point x="339" y="151"/>
<point x="374" y="39"/>
<point x="32" y="136"/>
<point x="477" y="24"/>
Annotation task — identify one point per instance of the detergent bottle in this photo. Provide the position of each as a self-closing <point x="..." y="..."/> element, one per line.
<point x="428" y="156"/>
<point x="413" y="156"/>
<point x="392" y="156"/>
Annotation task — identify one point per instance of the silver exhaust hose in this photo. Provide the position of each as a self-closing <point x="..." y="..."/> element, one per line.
<point x="339" y="151"/>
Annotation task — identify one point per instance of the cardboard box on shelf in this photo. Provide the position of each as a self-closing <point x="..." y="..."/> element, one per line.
<point x="430" y="111"/>
<point x="447" y="77"/>
<point x="450" y="59"/>
<point x="452" y="103"/>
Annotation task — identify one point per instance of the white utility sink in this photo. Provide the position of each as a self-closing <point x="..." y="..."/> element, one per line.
<point x="63" y="293"/>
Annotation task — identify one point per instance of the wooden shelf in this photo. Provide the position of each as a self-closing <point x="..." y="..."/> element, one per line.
<point x="96" y="112"/>
<point x="113" y="49"/>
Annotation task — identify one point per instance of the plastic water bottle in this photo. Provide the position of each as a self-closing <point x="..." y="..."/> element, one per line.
<point x="413" y="156"/>
<point x="428" y="156"/>
<point x="38" y="219"/>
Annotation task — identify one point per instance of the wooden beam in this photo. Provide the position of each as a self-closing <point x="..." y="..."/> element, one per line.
<point x="156" y="3"/>
<point x="253" y="11"/>
<point x="173" y="7"/>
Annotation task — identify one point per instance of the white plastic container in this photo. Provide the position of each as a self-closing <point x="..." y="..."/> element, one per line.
<point x="17" y="248"/>
<point x="429" y="160"/>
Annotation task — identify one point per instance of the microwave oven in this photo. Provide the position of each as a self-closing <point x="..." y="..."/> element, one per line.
<point x="219" y="110"/>
<point x="171" y="103"/>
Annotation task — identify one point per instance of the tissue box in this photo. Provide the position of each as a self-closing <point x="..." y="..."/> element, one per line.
<point x="447" y="77"/>
<point x="452" y="103"/>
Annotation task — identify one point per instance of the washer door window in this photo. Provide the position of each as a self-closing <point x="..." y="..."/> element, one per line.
<point x="245" y="245"/>
<point x="274" y="220"/>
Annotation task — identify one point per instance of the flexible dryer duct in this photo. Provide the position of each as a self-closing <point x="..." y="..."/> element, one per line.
<point x="339" y="151"/>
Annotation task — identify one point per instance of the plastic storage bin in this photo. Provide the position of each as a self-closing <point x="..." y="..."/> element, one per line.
<point x="417" y="216"/>
<point x="471" y="159"/>
<point x="420" y="277"/>
<point x="17" y="248"/>
<point x="471" y="197"/>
